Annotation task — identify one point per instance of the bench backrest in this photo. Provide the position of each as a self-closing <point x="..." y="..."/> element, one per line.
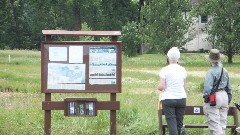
<point x="198" y="110"/>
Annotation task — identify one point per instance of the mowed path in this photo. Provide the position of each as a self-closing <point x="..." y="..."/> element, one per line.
<point x="198" y="73"/>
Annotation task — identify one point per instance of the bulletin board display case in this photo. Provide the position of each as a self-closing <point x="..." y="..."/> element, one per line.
<point x="81" y="67"/>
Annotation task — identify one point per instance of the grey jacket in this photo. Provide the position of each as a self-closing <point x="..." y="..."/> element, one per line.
<point x="212" y="78"/>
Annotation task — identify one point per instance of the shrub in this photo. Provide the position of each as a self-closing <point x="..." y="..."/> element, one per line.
<point x="131" y="39"/>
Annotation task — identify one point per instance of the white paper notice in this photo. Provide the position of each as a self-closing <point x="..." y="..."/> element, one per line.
<point x="66" y="76"/>
<point x="102" y="65"/>
<point x="102" y="81"/>
<point x="57" y="53"/>
<point x="75" y="54"/>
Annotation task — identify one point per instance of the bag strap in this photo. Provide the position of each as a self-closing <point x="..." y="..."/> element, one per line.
<point x="219" y="80"/>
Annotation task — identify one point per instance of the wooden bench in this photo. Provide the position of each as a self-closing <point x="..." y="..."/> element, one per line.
<point x="198" y="110"/>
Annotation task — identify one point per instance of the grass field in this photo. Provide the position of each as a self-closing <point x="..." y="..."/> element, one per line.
<point x="21" y="98"/>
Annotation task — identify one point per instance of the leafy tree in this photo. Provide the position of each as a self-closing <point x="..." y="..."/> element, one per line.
<point x="117" y="13"/>
<point x="4" y="21"/>
<point x="164" y="23"/>
<point x="224" y="25"/>
<point x="12" y="24"/>
<point x="131" y="39"/>
<point x="22" y="21"/>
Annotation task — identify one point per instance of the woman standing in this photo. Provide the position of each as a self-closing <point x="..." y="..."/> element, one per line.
<point x="216" y="81"/>
<point x="173" y="84"/>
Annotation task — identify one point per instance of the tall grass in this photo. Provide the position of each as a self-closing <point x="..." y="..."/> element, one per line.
<point x="21" y="97"/>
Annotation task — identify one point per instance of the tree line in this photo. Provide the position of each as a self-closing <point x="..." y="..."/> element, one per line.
<point x="23" y="20"/>
<point x="159" y="24"/>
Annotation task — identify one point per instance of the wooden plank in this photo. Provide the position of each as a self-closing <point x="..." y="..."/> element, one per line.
<point x="53" y="105"/>
<point x="81" y="33"/>
<point x="113" y="115"/>
<point x="80" y="99"/>
<point x="61" y="105"/>
<point x="190" y="110"/>
<point x="108" y="105"/>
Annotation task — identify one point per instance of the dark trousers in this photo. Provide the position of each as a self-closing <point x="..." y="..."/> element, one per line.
<point x="174" y="110"/>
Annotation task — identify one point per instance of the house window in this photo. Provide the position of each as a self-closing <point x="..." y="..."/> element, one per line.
<point x="204" y="19"/>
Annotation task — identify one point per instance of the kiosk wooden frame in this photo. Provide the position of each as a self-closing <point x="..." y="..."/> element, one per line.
<point x="111" y="105"/>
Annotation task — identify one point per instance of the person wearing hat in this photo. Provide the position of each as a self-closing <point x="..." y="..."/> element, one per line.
<point x="216" y="81"/>
<point x="173" y="84"/>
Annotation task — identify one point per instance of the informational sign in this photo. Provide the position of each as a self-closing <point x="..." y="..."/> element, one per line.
<point x="102" y="65"/>
<point x="81" y="67"/>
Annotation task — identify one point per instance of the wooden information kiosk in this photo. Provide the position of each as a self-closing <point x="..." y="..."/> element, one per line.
<point x="80" y="67"/>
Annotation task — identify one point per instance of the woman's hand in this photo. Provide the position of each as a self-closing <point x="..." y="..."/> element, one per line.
<point x="161" y="85"/>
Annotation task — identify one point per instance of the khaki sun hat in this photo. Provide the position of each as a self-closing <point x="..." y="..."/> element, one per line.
<point x="214" y="56"/>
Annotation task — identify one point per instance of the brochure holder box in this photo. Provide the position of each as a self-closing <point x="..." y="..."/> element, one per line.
<point x="82" y="107"/>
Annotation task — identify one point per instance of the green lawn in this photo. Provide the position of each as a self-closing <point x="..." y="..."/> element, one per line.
<point x="21" y="97"/>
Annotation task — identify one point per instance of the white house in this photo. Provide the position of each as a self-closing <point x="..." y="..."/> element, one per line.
<point x="196" y="35"/>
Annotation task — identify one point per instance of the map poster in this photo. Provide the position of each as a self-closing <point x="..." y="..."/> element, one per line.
<point x="102" y="65"/>
<point x="66" y="76"/>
